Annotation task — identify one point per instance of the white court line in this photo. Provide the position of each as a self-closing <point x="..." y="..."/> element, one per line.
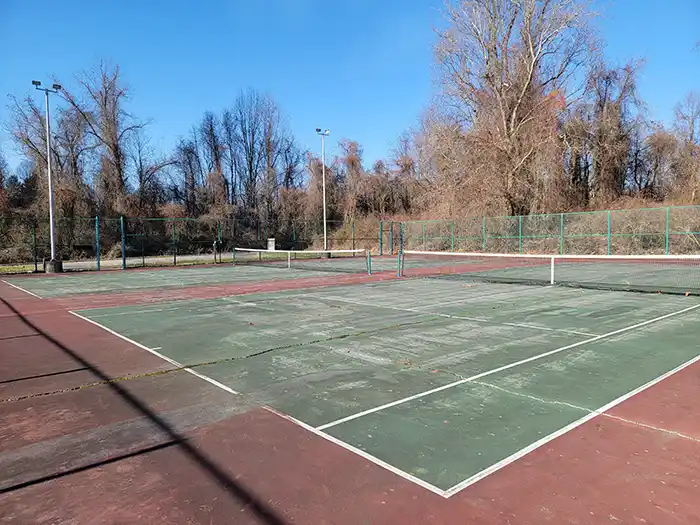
<point x="483" y="293"/>
<point x="22" y="289"/>
<point x="405" y="475"/>
<point x="158" y="354"/>
<point x="458" y="317"/>
<point x="309" y="428"/>
<point x="568" y="428"/>
<point x="502" y="368"/>
<point x="369" y="457"/>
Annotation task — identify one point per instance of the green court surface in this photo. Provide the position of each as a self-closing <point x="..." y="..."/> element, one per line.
<point x="131" y="280"/>
<point x="437" y="380"/>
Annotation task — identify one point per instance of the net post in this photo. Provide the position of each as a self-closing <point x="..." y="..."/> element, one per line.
<point x="668" y="221"/>
<point x="289" y="259"/>
<point x="520" y="234"/>
<point x="422" y="231"/>
<point x="452" y="236"/>
<point x="483" y="234"/>
<point x="561" y="234"/>
<point x="97" y="241"/>
<point x="381" y="238"/>
<point x="551" y="269"/>
<point x="123" y="230"/>
<point x="398" y="263"/>
<point x="369" y="262"/>
<point x="233" y="255"/>
<point x="609" y="229"/>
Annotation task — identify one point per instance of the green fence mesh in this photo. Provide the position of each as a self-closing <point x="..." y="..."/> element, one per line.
<point x="658" y="231"/>
<point x="95" y="243"/>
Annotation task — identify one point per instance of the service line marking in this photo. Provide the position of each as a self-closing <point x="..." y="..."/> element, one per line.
<point x="503" y="368"/>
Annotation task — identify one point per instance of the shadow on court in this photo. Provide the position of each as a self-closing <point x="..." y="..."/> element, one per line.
<point x="241" y="494"/>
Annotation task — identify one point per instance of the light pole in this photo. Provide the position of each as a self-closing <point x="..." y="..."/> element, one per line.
<point x="54" y="264"/>
<point x="324" y="134"/>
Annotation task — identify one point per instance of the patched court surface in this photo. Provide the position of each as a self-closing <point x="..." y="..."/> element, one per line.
<point x="370" y="400"/>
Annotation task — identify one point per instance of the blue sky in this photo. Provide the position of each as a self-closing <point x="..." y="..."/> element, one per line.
<point x="363" y="68"/>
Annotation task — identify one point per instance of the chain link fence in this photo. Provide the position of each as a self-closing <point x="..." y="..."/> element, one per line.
<point x="653" y="231"/>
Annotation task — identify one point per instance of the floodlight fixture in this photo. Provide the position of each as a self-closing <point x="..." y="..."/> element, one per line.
<point x="37" y="84"/>
<point x="57" y="87"/>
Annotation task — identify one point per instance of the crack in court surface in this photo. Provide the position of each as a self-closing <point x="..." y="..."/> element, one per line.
<point x="598" y="412"/>
<point x="457" y="317"/>
<point x="179" y="367"/>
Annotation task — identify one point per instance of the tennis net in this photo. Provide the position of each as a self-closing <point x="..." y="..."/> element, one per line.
<point x="674" y="274"/>
<point x="346" y="261"/>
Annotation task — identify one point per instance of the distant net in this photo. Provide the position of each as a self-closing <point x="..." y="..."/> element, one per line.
<point x="679" y="274"/>
<point x="344" y="261"/>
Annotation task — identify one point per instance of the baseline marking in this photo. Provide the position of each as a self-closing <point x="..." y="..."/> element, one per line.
<point x="568" y="428"/>
<point x="369" y="457"/>
<point x="158" y="354"/>
<point x="22" y="289"/>
<point x="458" y="317"/>
<point x="502" y="368"/>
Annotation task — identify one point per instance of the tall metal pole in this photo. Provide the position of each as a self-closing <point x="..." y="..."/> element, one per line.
<point x="54" y="264"/>
<point x="323" y="171"/>
<point x="52" y="230"/>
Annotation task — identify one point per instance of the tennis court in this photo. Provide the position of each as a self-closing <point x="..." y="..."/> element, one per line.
<point x="442" y="380"/>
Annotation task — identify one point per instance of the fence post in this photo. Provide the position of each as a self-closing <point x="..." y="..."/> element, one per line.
<point x="609" y="230"/>
<point x="483" y="234"/>
<point x="34" y="247"/>
<point x="668" y="230"/>
<point x="452" y="235"/>
<point x="561" y="234"/>
<point x="391" y="238"/>
<point x="123" y="229"/>
<point x="174" y="241"/>
<point x="97" y="241"/>
<point x="352" y="226"/>
<point x="520" y="234"/>
<point x="381" y="238"/>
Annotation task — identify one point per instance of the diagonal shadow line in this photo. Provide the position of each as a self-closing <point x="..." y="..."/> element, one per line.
<point x="18" y="337"/>
<point x="39" y="376"/>
<point x="96" y="464"/>
<point x="261" y="509"/>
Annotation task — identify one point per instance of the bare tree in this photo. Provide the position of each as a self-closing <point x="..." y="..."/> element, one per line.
<point x="190" y="167"/>
<point x="506" y="67"/>
<point x="4" y="176"/>
<point x="687" y="163"/>
<point x="110" y="125"/>
<point x="147" y="169"/>
<point x="687" y="121"/>
<point x="292" y="160"/>
<point x="615" y="114"/>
